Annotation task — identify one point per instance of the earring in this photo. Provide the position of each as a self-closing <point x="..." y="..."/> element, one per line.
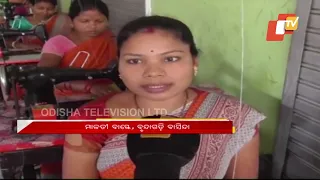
<point x="195" y="71"/>
<point x="120" y="76"/>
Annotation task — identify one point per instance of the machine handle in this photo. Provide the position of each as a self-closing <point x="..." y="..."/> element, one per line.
<point x="27" y="74"/>
<point x="6" y="53"/>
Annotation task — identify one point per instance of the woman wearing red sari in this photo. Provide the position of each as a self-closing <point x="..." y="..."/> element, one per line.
<point x="157" y="62"/>
<point x="90" y="45"/>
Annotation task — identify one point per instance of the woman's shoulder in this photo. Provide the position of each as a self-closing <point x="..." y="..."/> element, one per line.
<point x="85" y="111"/>
<point x="58" y="44"/>
<point x="58" y="41"/>
<point x="220" y="103"/>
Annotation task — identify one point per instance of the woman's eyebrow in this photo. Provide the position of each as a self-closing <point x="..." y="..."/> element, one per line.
<point x="168" y="52"/>
<point x="132" y="54"/>
<point x="163" y="53"/>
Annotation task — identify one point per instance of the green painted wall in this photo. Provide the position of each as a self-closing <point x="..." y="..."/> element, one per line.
<point x="64" y="5"/>
<point x="216" y="25"/>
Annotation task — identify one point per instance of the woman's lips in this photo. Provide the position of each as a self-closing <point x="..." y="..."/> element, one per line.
<point x="156" y="88"/>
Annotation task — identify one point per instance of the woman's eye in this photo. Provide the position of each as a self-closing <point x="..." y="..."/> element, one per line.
<point x="134" y="61"/>
<point x="172" y="59"/>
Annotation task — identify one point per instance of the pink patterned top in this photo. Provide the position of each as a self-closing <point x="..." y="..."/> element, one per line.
<point x="214" y="154"/>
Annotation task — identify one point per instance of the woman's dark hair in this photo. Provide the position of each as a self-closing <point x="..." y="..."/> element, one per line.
<point x="175" y="26"/>
<point x="53" y="2"/>
<point x="78" y="6"/>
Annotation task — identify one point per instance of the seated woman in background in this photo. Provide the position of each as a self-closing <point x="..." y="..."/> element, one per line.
<point x="23" y="9"/>
<point x="90" y="45"/>
<point x="157" y="62"/>
<point x="43" y="12"/>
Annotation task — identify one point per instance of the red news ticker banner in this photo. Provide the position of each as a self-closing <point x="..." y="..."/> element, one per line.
<point x="126" y="126"/>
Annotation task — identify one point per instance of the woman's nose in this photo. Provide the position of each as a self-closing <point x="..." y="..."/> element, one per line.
<point x="46" y="12"/>
<point x="155" y="70"/>
<point x="92" y="25"/>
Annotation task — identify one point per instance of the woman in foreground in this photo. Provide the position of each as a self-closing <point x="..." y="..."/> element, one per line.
<point x="90" y="45"/>
<point x="158" y="60"/>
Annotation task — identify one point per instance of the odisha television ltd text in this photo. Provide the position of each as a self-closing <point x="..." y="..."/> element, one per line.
<point x="116" y="112"/>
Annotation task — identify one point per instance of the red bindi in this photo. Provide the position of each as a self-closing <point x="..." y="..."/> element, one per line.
<point x="149" y="30"/>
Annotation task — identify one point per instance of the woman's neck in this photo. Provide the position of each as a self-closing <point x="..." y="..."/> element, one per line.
<point x="77" y="38"/>
<point x="165" y="106"/>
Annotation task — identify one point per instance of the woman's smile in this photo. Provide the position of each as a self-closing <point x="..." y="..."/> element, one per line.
<point x="157" y="88"/>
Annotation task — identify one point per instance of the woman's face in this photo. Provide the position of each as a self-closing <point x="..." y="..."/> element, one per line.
<point x="90" y="23"/>
<point x="43" y="10"/>
<point x="156" y="65"/>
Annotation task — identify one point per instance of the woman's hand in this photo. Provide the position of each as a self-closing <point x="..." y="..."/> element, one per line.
<point x="89" y="87"/>
<point x="99" y="90"/>
<point x="80" y="150"/>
